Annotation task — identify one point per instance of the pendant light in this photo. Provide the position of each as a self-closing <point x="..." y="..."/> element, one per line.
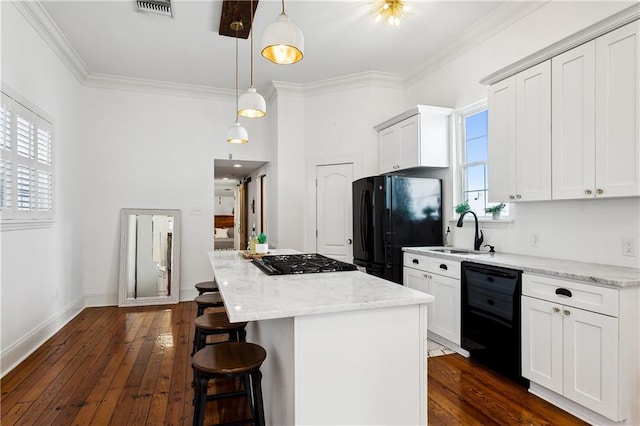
<point x="252" y="104"/>
<point x="282" y="41"/>
<point x="237" y="133"/>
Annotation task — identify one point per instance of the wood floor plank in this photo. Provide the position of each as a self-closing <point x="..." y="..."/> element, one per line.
<point x="20" y="380"/>
<point x="45" y="389"/>
<point x="117" y="366"/>
<point x="131" y="327"/>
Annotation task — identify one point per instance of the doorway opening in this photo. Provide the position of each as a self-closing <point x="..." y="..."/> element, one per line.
<point x="240" y="191"/>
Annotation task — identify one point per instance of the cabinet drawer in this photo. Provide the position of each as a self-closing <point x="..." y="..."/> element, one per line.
<point x="447" y="268"/>
<point x="584" y="296"/>
<point x="416" y="261"/>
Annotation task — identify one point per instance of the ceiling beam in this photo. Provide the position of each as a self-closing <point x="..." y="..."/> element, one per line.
<point x="236" y="10"/>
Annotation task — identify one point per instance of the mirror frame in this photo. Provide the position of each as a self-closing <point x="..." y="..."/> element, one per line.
<point x="174" y="297"/>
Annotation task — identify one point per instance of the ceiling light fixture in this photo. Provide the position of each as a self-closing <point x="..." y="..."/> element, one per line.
<point x="252" y="104"/>
<point x="282" y="41"/>
<point x="390" y="12"/>
<point x="237" y="165"/>
<point x="237" y="133"/>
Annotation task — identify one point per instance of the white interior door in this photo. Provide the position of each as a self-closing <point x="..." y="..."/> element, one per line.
<point x="334" y="226"/>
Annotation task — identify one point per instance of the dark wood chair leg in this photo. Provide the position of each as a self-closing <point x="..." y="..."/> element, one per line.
<point x="256" y="379"/>
<point x="200" y="400"/>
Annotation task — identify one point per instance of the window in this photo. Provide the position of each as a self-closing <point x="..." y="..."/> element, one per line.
<point x="26" y="164"/>
<point x="473" y="148"/>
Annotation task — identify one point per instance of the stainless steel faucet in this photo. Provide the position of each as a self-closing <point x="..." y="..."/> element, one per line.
<point x="479" y="237"/>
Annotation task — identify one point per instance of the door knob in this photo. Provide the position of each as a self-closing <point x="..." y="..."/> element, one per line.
<point x="349" y="241"/>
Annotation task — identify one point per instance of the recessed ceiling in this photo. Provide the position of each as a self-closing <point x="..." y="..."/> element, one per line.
<point x="341" y="38"/>
<point x="225" y="168"/>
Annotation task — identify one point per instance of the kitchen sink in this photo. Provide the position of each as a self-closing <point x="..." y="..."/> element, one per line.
<point x="453" y="250"/>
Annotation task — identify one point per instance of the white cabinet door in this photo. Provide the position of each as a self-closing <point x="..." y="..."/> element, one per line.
<point x="533" y="133"/>
<point x="444" y="313"/>
<point x="591" y="360"/>
<point x="416" y="280"/>
<point x="542" y="343"/>
<point x="409" y="142"/>
<point x="573" y="106"/>
<point x="502" y="135"/>
<point x="389" y="140"/>
<point x="617" y="112"/>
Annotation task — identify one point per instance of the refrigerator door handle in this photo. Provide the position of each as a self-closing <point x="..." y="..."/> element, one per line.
<point x="363" y="218"/>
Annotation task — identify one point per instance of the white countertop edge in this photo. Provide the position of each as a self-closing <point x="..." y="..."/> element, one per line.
<point x="239" y="316"/>
<point x="611" y="276"/>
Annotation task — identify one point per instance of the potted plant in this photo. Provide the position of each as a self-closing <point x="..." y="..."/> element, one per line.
<point x="463" y="207"/>
<point x="262" y="246"/>
<point x="495" y="210"/>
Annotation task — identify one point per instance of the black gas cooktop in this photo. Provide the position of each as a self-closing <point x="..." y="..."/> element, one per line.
<point x="307" y="263"/>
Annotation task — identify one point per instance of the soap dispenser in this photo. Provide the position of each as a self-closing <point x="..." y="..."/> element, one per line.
<point x="448" y="238"/>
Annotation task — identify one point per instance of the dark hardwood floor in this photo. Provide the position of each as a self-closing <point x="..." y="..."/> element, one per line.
<point x="131" y="366"/>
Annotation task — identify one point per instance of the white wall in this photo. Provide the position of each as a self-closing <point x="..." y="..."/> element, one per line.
<point x="145" y="150"/>
<point x="589" y="230"/>
<point x="41" y="279"/>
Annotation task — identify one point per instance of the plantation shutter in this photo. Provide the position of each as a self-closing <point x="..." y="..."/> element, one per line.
<point x="6" y="158"/>
<point x="26" y="165"/>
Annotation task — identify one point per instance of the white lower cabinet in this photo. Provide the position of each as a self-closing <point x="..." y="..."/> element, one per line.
<point x="571" y="344"/>
<point x="441" y="279"/>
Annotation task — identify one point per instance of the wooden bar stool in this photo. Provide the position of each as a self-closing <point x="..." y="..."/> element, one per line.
<point x="208" y="300"/>
<point x="229" y="360"/>
<point x="207" y="287"/>
<point x="217" y="323"/>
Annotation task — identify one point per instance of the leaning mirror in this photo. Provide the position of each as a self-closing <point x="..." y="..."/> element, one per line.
<point x="149" y="257"/>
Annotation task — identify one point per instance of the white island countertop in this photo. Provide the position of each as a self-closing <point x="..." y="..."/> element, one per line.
<point x="249" y="294"/>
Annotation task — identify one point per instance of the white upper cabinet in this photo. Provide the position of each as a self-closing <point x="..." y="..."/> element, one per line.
<point x="520" y="136"/>
<point x="417" y="138"/>
<point x="595" y="103"/>
<point x="618" y="112"/>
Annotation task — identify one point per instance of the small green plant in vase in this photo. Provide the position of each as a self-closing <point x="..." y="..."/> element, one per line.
<point x="495" y="210"/>
<point x="262" y="246"/>
<point x="463" y="207"/>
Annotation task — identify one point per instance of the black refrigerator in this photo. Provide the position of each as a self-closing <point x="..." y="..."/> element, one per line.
<point x="391" y="212"/>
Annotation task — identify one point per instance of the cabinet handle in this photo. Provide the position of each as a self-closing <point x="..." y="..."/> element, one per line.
<point x="415" y="261"/>
<point x="599" y="191"/>
<point x="556" y="310"/>
<point x="518" y="196"/>
<point x="427" y="276"/>
<point x="511" y="197"/>
<point x="443" y="266"/>
<point x="563" y="292"/>
<point x="566" y="312"/>
<point x="587" y="192"/>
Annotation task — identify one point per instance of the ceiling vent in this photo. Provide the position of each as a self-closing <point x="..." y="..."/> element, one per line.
<point x="155" y="7"/>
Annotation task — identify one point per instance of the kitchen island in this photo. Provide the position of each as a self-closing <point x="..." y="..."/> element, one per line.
<point x="342" y="347"/>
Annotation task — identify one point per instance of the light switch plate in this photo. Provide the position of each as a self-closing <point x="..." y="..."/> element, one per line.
<point x="629" y="247"/>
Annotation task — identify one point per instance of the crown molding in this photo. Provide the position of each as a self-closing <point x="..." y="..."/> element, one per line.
<point x="501" y="17"/>
<point x="42" y="23"/>
<point x="287" y="89"/>
<point x="355" y="81"/>
<point x="114" y="82"/>
<point x="609" y="24"/>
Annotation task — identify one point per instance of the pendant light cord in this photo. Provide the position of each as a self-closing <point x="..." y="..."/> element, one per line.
<point x="236" y="74"/>
<point x="283" y="8"/>
<point x="251" y="48"/>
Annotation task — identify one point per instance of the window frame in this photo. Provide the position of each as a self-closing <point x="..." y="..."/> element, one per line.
<point x="461" y="165"/>
<point x="40" y="133"/>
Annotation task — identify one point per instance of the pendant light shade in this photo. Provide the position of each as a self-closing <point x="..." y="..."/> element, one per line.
<point x="282" y="41"/>
<point x="237" y="134"/>
<point x="251" y="103"/>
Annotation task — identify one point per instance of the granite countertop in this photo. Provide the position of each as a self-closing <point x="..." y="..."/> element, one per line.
<point x="251" y="295"/>
<point x="593" y="273"/>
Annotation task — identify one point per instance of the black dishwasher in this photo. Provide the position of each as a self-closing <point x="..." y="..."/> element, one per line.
<point x="491" y="317"/>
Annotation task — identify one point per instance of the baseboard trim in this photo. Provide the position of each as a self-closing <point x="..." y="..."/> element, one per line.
<point x="20" y="350"/>
<point x="571" y="407"/>
<point x="188" y="294"/>
<point x="101" y="299"/>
